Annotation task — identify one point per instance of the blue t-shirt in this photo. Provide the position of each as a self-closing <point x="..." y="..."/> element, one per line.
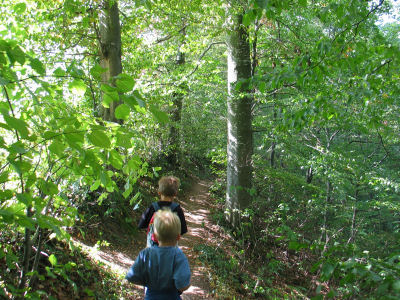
<point x="163" y="270"/>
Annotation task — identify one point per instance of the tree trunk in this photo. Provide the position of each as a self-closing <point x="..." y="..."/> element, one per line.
<point x="110" y="45"/>
<point x="240" y="138"/>
<point x="174" y="147"/>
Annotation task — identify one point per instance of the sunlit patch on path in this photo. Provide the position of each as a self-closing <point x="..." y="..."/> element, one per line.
<point x="116" y="261"/>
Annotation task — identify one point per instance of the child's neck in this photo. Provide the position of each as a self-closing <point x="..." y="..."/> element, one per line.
<point x="166" y="198"/>
<point x="167" y="244"/>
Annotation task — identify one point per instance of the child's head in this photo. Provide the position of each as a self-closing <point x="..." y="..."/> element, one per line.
<point x="168" y="186"/>
<point x="167" y="226"/>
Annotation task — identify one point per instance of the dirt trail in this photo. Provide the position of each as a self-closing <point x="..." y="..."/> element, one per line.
<point x="196" y="206"/>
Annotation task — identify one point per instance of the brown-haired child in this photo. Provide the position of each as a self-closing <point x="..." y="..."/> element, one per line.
<point x="168" y="187"/>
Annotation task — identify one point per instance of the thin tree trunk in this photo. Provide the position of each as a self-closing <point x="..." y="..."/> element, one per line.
<point x="174" y="145"/>
<point x="110" y="45"/>
<point x="353" y="220"/>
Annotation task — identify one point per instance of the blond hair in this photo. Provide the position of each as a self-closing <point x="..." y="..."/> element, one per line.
<point x="167" y="225"/>
<point x="168" y="186"/>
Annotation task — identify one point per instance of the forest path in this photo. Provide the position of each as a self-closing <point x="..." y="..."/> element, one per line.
<point x="201" y="231"/>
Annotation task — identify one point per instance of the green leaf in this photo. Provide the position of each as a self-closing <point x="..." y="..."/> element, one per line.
<point x="37" y="66"/>
<point x="122" y="112"/>
<point x="59" y="72"/>
<point x="97" y="70"/>
<point x="248" y="18"/>
<point x="77" y="87"/>
<point x="57" y="148"/>
<point x="99" y="139"/>
<point x="21" y="167"/>
<point x="124" y="83"/>
<point x="3" y="177"/>
<point x="25" y="198"/>
<point x="6" y="195"/>
<point x="139" y="98"/>
<point x="127" y="192"/>
<point x="11" y="260"/>
<point x="107" y="100"/>
<point x="47" y="187"/>
<point x="135" y="163"/>
<point x="19" y="8"/>
<point x="262" y="4"/>
<point x="303" y="3"/>
<point x="53" y="260"/>
<point x="116" y="159"/>
<point x="105" y="180"/>
<point x="17" y="147"/>
<point x="26" y="222"/>
<point x="17" y="124"/>
<point x="18" y="55"/>
<point x="327" y="271"/>
<point x="49" y="223"/>
<point x="123" y="140"/>
<point x="110" y="94"/>
<point x="95" y="185"/>
<point x="49" y="135"/>
<point x="159" y="115"/>
<point x="130" y="100"/>
<point x="73" y="137"/>
<point x="134" y="198"/>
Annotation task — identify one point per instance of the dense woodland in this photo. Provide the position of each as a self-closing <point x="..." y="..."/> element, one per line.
<point x="288" y="107"/>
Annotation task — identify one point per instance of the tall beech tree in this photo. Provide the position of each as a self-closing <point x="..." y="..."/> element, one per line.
<point x="239" y="117"/>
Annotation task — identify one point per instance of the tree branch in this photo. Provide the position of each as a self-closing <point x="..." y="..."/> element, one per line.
<point x="202" y="55"/>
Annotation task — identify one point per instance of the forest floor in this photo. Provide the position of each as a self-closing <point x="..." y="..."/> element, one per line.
<point x="121" y="251"/>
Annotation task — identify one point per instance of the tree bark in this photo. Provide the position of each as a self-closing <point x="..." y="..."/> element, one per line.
<point x="240" y="136"/>
<point x="174" y="144"/>
<point x="110" y="46"/>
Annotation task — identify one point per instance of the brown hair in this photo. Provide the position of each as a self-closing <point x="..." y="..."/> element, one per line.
<point x="168" y="186"/>
<point x="167" y="225"/>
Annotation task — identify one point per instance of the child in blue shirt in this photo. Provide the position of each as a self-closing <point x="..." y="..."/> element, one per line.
<point x="164" y="269"/>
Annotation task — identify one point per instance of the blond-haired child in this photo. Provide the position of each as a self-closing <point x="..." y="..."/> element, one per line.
<point x="163" y="270"/>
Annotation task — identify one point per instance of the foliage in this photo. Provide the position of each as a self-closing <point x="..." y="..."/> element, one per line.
<point x="325" y="119"/>
<point x="360" y="275"/>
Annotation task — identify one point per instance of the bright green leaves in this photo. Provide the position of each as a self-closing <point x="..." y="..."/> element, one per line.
<point x="74" y="137"/>
<point x="37" y="65"/>
<point x="19" y="8"/>
<point x="53" y="260"/>
<point x="17" y="124"/>
<point x="159" y="115"/>
<point x="57" y="148"/>
<point x="47" y="187"/>
<point x="110" y="94"/>
<point x="124" y="83"/>
<point x="116" y="159"/>
<point x="77" y="87"/>
<point x="123" y="140"/>
<point x="99" y="138"/>
<point x="96" y="71"/>
<point x="122" y="111"/>
<point x="95" y="185"/>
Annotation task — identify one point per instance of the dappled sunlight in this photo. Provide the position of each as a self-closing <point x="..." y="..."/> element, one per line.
<point x="118" y="262"/>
